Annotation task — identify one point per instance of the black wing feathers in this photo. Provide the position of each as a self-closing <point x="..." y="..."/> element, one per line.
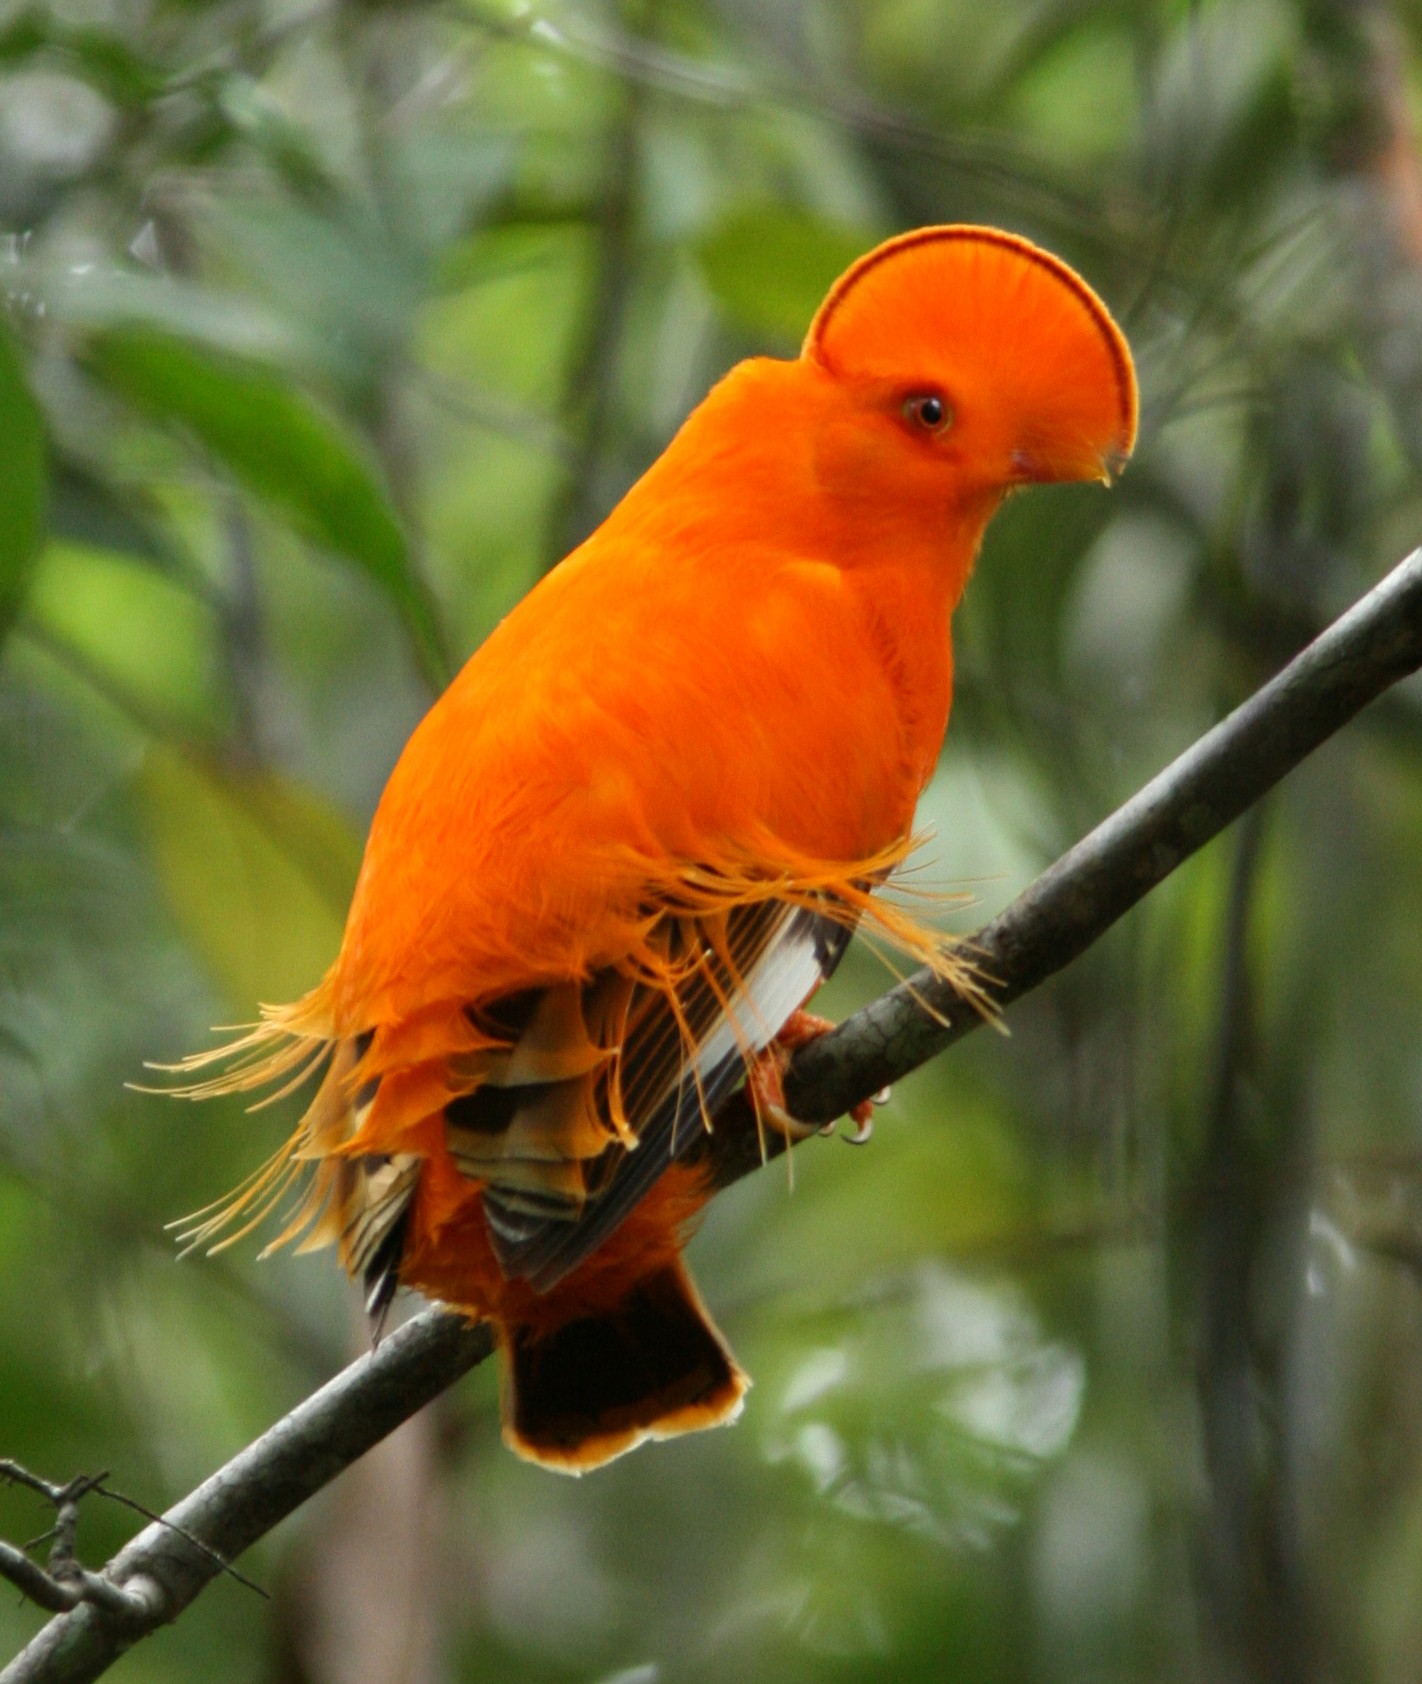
<point x="731" y="1004"/>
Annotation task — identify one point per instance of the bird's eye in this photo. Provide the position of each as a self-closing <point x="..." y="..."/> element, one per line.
<point x="928" y="410"/>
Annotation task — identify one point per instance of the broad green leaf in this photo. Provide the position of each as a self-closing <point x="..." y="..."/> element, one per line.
<point x="769" y="267"/>
<point x="22" y="464"/>
<point x="140" y="633"/>
<point x="258" y="871"/>
<point x="299" y="460"/>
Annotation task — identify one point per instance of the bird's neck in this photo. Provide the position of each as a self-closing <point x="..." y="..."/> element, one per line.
<point x="913" y="640"/>
<point x="743" y="475"/>
<point x="738" y="489"/>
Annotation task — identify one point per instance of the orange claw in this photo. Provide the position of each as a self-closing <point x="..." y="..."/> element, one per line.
<point x="766" y="1082"/>
<point x="802" y="1027"/>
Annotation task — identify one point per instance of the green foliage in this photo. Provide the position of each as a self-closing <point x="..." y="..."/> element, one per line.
<point x="137" y="631"/>
<point x="769" y="269"/>
<point x="320" y="329"/>
<point x="22" y="506"/>
<point x="294" y="459"/>
<point x="241" y="854"/>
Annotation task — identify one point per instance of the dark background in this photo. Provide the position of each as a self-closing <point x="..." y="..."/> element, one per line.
<point x="327" y="328"/>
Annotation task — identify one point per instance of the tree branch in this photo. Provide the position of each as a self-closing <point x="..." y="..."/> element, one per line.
<point x="66" y="1583"/>
<point x="1074" y="902"/>
<point x="1370" y="648"/>
<point x="260" y="1486"/>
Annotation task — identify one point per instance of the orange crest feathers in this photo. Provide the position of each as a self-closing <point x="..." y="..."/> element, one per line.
<point x="1000" y="313"/>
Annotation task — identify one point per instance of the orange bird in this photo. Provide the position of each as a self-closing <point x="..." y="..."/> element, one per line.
<point x="634" y="835"/>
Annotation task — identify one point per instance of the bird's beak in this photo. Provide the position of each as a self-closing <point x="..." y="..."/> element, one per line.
<point x="1053" y="467"/>
<point x="1113" y="465"/>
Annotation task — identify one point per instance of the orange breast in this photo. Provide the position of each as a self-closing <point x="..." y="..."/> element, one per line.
<point x="637" y="709"/>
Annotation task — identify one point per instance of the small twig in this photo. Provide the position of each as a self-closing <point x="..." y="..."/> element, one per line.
<point x="67" y="1583"/>
<point x="32" y="1580"/>
<point x="13" y="1474"/>
<point x="182" y="1531"/>
<point x="174" y="1558"/>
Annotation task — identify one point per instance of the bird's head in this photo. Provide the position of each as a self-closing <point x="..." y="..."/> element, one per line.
<point x="963" y="362"/>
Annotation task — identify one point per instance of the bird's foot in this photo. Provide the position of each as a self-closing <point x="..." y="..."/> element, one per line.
<point x="766" y="1082"/>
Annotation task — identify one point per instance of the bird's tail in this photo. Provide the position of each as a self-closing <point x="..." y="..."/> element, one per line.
<point x="653" y="1366"/>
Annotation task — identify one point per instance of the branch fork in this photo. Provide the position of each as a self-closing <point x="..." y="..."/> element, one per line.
<point x="65" y="1582"/>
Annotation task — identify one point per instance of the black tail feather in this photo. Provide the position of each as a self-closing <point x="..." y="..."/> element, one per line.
<point x="651" y="1368"/>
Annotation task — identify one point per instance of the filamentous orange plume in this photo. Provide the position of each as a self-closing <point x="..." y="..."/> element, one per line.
<point x="634" y="835"/>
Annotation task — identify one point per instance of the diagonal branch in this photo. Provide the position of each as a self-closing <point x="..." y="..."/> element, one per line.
<point x="1370" y="648"/>
<point x="260" y="1486"/>
<point x="1074" y="902"/>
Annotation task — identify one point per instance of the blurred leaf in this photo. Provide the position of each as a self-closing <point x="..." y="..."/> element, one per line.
<point x="22" y="505"/>
<point x="318" y="260"/>
<point x="929" y="1406"/>
<point x="92" y="511"/>
<point x="23" y="35"/>
<point x="299" y="460"/>
<point x="494" y="254"/>
<point x="116" y="297"/>
<point x="769" y="267"/>
<point x="138" y="631"/>
<point x="510" y="326"/>
<point x="103" y="59"/>
<point x="252" y="112"/>
<point x="257" y="869"/>
<point x="454" y="173"/>
<point x="1048" y="101"/>
<point x="960" y="1189"/>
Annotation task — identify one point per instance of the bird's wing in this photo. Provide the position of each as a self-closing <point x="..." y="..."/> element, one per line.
<point x="607" y="1083"/>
